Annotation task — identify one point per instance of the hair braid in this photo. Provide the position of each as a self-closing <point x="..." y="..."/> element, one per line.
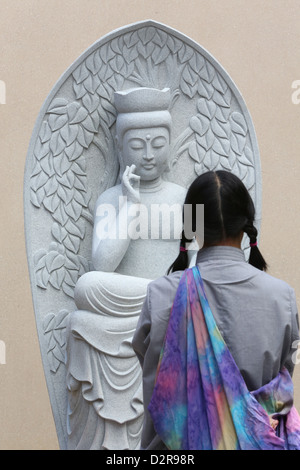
<point x="255" y="259"/>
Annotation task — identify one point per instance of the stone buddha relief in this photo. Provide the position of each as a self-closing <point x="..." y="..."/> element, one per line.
<point x="109" y="299"/>
<point x="126" y="129"/>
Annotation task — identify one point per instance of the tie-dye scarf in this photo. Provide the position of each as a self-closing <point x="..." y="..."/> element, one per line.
<point x="200" y="400"/>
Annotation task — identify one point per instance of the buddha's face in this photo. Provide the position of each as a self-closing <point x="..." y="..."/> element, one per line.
<point x="147" y="149"/>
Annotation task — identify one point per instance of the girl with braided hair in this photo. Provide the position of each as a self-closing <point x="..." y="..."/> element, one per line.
<point x="216" y="341"/>
<point x="229" y="213"/>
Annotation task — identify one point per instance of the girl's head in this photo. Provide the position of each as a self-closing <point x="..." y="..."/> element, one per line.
<point x="228" y="213"/>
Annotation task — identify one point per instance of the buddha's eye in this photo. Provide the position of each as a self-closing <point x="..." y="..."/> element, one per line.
<point x="136" y="144"/>
<point x="159" y="142"/>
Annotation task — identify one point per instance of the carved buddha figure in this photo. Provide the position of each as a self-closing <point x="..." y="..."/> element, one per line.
<point x="143" y="142"/>
<point x="129" y="249"/>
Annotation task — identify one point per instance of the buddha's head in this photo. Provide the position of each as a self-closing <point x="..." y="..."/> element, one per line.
<point x="143" y="130"/>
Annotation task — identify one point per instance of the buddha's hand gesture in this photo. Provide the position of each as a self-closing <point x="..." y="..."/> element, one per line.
<point x="131" y="185"/>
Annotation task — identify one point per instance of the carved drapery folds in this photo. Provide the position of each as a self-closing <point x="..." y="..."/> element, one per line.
<point x="72" y="160"/>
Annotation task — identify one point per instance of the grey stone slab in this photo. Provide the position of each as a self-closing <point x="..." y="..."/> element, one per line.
<point x="193" y="111"/>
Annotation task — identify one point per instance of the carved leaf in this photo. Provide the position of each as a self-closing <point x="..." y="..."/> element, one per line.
<point x="225" y="163"/>
<point x="246" y="157"/>
<point x="79" y="116"/>
<point x="205" y="89"/>
<point x="72" y="243"/>
<point x="51" y="202"/>
<point x="54" y="261"/>
<point x="58" y="232"/>
<point x="45" y="132"/>
<point x="147" y="34"/>
<point x="88" y="84"/>
<point x="185" y="53"/>
<point x="48" y="322"/>
<point x="220" y="129"/>
<point x="58" y="106"/>
<point x="80" y="73"/>
<point x="67" y="179"/>
<point x="42" y="277"/>
<point x="131" y="39"/>
<point x="38" y="258"/>
<point x="57" y="277"/>
<point x="91" y="102"/>
<point x="38" y="181"/>
<point x="206" y="108"/>
<point x="130" y="55"/>
<point x="78" y="184"/>
<point x="103" y="92"/>
<point x="219" y="83"/>
<point x="57" y="352"/>
<point x="64" y="195"/>
<point x="73" y="209"/>
<point x="57" y="121"/>
<point x="207" y="140"/>
<point x="60" y="215"/>
<point x="72" y="109"/>
<point x="74" y="150"/>
<point x="238" y="124"/>
<point x="237" y="143"/>
<point x="189" y="83"/>
<point x="223" y="100"/>
<point x="57" y="143"/>
<point x="117" y="64"/>
<point x="207" y="72"/>
<point x="160" y="54"/>
<point x="222" y="147"/>
<point x="68" y="290"/>
<point x="93" y="63"/>
<point x="54" y="331"/>
<point x="199" y="124"/>
<point x="193" y="151"/>
<point x="69" y="134"/>
<point x="212" y="160"/>
<point x="222" y="114"/>
<point x="41" y="149"/>
<point x="106" y="53"/>
<point x="74" y="229"/>
<point x="46" y="165"/>
<point x="36" y="197"/>
<point x="196" y="62"/>
<point x="198" y="169"/>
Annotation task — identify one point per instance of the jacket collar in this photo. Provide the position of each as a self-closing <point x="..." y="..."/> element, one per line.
<point x="220" y="253"/>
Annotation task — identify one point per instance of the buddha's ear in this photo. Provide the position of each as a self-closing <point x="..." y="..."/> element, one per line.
<point x="168" y="167"/>
<point x="119" y="153"/>
<point x="174" y="98"/>
<point x="117" y="142"/>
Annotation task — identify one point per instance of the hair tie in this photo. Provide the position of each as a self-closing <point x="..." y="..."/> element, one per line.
<point x="183" y="249"/>
<point x="253" y="244"/>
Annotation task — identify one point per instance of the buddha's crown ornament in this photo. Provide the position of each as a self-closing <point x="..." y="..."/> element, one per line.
<point x="142" y="99"/>
<point x="142" y="107"/>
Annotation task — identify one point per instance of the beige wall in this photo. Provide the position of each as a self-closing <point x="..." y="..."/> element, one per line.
<point x="257" y="42"/>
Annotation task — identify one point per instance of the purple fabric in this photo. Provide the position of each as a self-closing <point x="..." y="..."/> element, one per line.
<point x="200" y="400"/>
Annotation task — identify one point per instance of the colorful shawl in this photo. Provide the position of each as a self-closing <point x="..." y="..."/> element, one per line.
<point x="200" y="400"/>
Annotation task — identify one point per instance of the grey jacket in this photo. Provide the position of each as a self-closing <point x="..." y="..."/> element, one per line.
<point x="255" y="312"/>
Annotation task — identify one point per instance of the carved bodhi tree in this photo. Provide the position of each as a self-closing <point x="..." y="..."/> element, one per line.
<point x="72" y="160"/>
